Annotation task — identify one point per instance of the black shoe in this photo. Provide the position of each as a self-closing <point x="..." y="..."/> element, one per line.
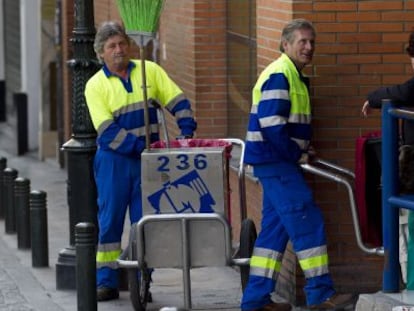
<point x="273" y="306"/>
<point x="106" y="293"/>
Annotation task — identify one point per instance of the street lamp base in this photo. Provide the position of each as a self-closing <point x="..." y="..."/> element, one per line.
<point x="66" y="269"/>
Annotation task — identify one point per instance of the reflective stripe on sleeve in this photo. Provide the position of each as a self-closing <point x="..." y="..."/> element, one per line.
<point x="186" y="113"/>
<point x="303" y="144"/>
<point x="254" y="136"/>
<point x="119" y="138"/>
<point x="275" y="94"/>
<point x="300" y="118"/>
<point x="272" y="121"/>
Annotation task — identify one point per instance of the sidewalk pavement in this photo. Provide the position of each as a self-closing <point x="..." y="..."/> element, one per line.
<point x="23" y="287"/>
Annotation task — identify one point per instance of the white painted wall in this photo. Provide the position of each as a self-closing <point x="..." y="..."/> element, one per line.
<point x="30" y="23"/>
<point x="2" y="70"/>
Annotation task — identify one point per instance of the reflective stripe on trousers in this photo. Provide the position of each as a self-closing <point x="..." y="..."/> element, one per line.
<point x="289" y="212"/>
<point x="118" y="181"/>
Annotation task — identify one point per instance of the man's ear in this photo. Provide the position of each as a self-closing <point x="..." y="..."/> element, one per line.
<point x="284" y="44"/>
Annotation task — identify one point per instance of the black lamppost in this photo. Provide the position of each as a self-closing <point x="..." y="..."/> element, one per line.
<point x="81" y="148"/>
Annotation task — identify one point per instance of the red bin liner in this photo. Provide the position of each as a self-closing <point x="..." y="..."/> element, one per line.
<point x="195" y="142"/>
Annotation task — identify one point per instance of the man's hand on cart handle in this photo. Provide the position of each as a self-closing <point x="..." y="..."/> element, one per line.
<point x="311" y="153"/>
<point x="308" y="156"/>
<point x="304" y="158"/>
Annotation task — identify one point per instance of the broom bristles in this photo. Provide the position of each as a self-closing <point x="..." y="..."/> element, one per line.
<point x="140" y="15"/>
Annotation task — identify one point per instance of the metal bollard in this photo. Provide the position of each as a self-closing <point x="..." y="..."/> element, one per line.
<point x="22" y="205"/>
<point x="3" y="164"/>
<point x="38" y="229"/>
<point x="2" y="101"/>
<point x="9" y="175"/>
<point x="20" y="102"/>
<point x="85" y="240"/>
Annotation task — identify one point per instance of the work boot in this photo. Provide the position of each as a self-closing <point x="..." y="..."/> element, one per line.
<point x="336" y="302"/>
<point x="106" y="293"/>
<point x="273" y="306"/>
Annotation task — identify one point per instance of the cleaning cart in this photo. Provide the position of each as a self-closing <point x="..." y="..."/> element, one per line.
<point x="186" y="219"/>
<point x="186" y="197"/>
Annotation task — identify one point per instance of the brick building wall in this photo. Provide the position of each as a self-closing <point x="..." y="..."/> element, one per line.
<point x="193" y="51"/>
<point x="360" y="46"/>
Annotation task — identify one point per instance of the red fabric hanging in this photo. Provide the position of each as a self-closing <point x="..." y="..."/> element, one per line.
<point x="369" y="216"/>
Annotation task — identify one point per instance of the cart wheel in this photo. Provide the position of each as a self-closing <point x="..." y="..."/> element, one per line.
<point x="138" y="283"/>
<point x="248" y="236"/>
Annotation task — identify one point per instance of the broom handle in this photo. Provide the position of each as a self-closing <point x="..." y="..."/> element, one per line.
<point x="144" y="93"/>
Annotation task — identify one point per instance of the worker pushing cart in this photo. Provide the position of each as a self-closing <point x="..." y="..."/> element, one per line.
<point x="118" y="109"/>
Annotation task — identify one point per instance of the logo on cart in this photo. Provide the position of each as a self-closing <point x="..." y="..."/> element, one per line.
<point x="187" y="194"/>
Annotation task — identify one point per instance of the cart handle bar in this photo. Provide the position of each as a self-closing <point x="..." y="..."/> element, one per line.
<point x="340" y="179"/>
<point x="241" y="176"/>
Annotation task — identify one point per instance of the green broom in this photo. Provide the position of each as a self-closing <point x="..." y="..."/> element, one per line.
<point x="141" y="18"/>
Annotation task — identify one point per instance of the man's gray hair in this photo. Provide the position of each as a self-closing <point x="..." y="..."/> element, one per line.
<point x="105" y="31"/>
<point x="289" y="29"/>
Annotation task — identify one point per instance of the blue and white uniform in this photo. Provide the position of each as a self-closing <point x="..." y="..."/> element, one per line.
<point x="278" y="134"/>
<point x="116" y="108"/>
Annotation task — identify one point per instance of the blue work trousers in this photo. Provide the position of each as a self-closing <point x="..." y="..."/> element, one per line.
<point x="289" y="212"/>
<point x="118" y="181"/>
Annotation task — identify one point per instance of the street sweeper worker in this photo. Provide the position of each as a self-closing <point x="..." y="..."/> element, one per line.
<point x="277" y="141"/>
<point x="115" y="100"/>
